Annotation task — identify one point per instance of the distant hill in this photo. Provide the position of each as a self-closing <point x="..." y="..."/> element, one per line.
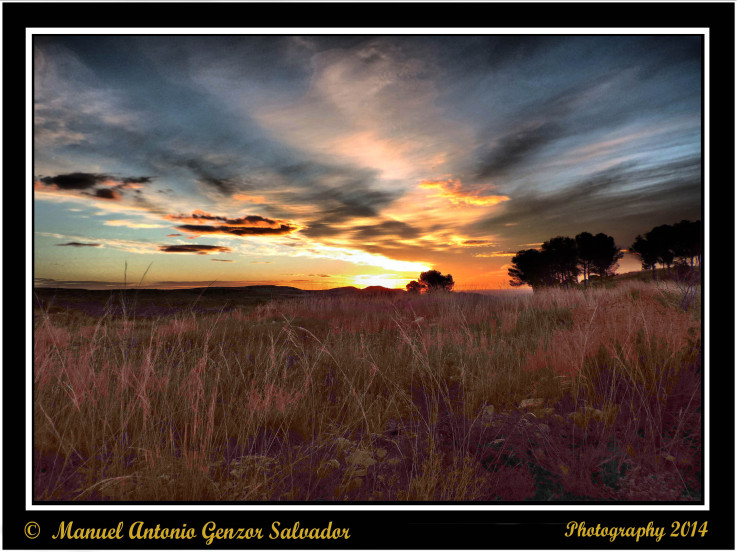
<point x="150" y="303"/>
<point x="647" y="275"/>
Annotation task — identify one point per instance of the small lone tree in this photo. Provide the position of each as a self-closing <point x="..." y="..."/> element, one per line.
<point x="434" y="281"/>
<point x="414" y="287"/>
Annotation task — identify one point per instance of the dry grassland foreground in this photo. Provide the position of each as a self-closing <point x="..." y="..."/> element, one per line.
<point x="555" y="396"/>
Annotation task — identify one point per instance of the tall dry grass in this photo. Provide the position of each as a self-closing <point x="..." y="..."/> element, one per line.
<point x="562" y="395"/>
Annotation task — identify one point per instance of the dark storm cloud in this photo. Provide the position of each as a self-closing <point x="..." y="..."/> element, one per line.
<point x="197" y="249"/>
<point x="238" y="230"/>
<point x="79" y="244"/>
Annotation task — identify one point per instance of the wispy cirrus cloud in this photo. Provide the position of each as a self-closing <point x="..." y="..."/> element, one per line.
<point x="79" y="244"/>
<point x="496" y="254"/>
<point x="133" y="224"/>
<point x="128" y="246"/>
<point x="374" y="105"/>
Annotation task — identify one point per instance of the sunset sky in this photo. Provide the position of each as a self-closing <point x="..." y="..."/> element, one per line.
<point x="326" y="161"/>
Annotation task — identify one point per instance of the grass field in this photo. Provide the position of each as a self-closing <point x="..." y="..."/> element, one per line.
<point x="553" y="396"/>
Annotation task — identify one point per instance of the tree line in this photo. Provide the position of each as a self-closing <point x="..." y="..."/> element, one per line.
<point x="561" y="261"/>
<point x="670" y="244"/>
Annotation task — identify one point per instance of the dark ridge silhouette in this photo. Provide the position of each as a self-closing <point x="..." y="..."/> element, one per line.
<point x="152" y="303"/>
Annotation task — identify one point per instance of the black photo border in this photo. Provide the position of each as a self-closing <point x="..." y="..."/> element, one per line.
<point x="447" y="527"/>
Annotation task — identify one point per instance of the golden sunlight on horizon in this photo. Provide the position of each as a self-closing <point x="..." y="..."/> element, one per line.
<point x="391" y="281"/>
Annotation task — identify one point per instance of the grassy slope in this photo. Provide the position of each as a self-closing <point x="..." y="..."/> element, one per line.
<point x="560" y="395"/>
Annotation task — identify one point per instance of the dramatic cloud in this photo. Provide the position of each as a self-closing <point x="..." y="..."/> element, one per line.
<point x="385" y="229"/>
<point x="453" y="191"/>
<point x="95" y="185"/>
<point x="515" y="149"/>
<point x="197" y="249"/>
<point x="79" y="244"/>
<point x="342" y="151"/>
<point x="200" y="217"/>
<point x="75" y="181"/>
<point x="250" y="225"/>
<point x="238" y="230"/>
<point x="84" y="181"/>
<point x="634" y="189"/>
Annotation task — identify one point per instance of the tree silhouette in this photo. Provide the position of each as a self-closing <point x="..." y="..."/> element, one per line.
<point x="530" y="267"/>
<point x="661" y="240"/>
<point x="414" y="287"/>
<point x="645" y="251"/>
<point x="597" y="255"/>
<point x="605" y="257"/>
<point x="434" y="281"/>
<point x="561" y="257"/>
<point x="666" y="243"/>
<point x="586" y="246"/>
<point x="687" y="241"/>
<point x="561" y="260"/>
